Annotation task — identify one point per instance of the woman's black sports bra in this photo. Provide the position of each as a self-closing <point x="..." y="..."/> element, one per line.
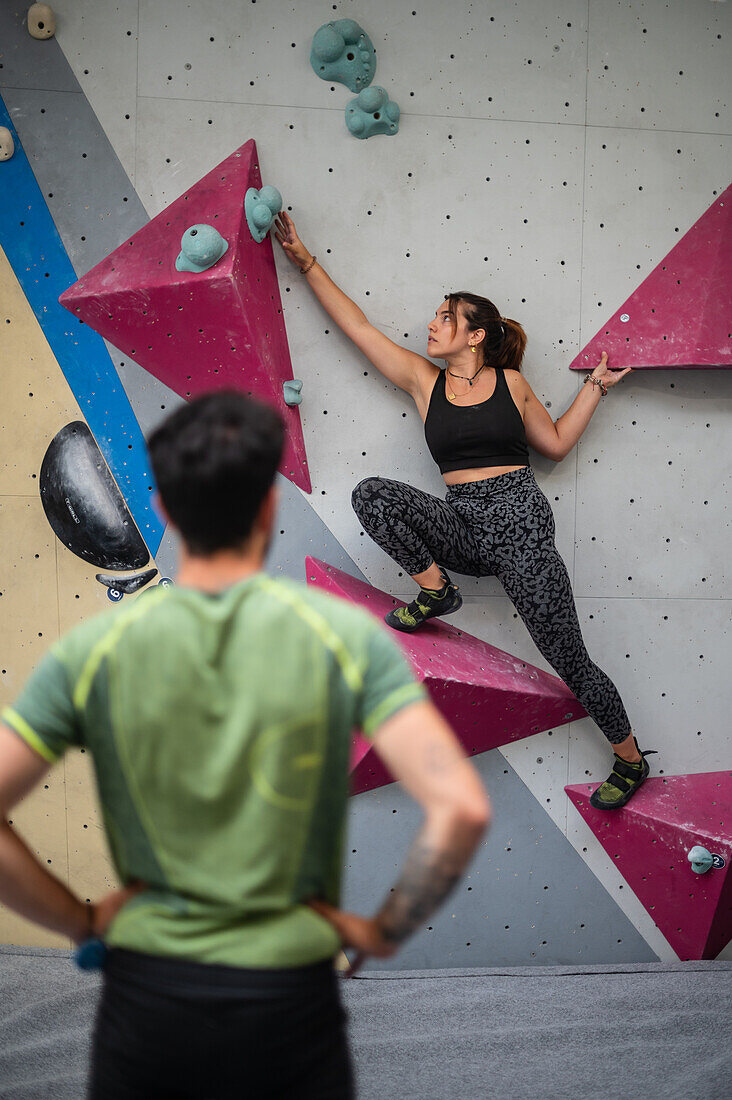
<point x="465" y="437"/>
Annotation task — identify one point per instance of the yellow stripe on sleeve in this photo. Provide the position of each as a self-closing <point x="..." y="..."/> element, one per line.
<point x="408" y="693"/>
<point x="19" y="725"/>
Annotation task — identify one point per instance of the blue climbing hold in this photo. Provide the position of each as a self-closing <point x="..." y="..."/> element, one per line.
<point x="700" y="859"/>
<point x="261" y="207"/>
<point x="91" y="955"/>
<point x="372" y="112"/>
<point x="344" y="53"/>
<point x="202" y="246"/>
<point x="292" y="391"/>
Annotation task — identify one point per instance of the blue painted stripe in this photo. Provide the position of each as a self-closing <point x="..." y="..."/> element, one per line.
<point x="34" y="249"/>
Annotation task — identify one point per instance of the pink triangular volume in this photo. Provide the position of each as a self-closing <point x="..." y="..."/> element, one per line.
<point x="649" y="840"/>
<point x="681" y="315"/>
<point x="218" y="329"/>
<point x="489" y="697"/>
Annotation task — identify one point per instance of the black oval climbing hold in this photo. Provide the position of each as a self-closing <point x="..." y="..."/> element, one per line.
<point x="83" y="504"/>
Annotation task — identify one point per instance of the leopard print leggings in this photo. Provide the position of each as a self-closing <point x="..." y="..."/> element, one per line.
<point x="504" y="527"/>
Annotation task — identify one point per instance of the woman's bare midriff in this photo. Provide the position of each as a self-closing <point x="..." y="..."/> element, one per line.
<point x="462" y="477"/>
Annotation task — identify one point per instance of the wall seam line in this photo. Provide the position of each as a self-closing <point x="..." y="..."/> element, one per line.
<point x="448" y="118"/>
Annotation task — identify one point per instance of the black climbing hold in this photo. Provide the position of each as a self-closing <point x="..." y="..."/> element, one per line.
<point x="83" y="504"/>
<point x="127" y="584"/>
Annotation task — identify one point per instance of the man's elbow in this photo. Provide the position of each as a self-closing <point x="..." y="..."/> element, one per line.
<point x="483" y="816"/>
<point x="476" y="814"/>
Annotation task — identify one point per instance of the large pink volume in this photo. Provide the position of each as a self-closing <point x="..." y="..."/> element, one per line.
<point x="649" y="841"/>
<point x="489" y="697"/>
<point x="199" y="331"/>
<point x="681" y="315"/>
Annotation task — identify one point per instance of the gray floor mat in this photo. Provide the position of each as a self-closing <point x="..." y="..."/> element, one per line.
<point x="647" y="1030"/>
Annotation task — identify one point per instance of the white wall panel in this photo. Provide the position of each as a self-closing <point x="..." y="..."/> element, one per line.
<point x="460" y="59"/>
<point x="670" y="659"/>
<point x="653" y="488"/>
<point x="659" y="64"/>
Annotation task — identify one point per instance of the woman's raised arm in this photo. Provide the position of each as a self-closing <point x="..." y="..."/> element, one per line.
<point x="404" y="368"/>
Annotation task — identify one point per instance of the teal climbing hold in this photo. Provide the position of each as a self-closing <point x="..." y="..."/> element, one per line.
<point x="344" y="53"/>
<point x="372" y="112"/>
<point x="261" y="207"/>
<point x="292" y="391"/>
<point x="201" y="247"/>
<point x="700" y="859"/>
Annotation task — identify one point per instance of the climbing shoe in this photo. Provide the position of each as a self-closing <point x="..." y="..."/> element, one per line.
<point x="622" y="783"/>
<point x="430" y="602"/>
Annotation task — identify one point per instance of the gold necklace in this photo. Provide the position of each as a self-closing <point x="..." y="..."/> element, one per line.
<point x="465" y="378"/>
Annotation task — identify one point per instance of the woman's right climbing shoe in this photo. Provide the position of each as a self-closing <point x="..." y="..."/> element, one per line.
<point x="429" y="603"/>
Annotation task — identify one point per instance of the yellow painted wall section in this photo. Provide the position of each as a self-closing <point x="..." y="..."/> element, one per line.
<point x="45" y="591"/>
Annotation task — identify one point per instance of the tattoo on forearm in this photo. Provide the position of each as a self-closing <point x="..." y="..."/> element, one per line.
<point x="428" y="877"/>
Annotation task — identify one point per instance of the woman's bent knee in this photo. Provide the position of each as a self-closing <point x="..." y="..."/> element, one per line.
<point x="365" y="492"/>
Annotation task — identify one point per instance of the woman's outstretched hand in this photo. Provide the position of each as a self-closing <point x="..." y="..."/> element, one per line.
<point x="292" y="246"/>
<point x="609" y="377"/>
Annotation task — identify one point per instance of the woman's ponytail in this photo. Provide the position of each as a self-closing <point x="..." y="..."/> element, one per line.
<point x="511" y="352"/>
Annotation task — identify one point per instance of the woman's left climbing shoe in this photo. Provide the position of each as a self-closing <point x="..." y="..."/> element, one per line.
<point x="622" y="783"/>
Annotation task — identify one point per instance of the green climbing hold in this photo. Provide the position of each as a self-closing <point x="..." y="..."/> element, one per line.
<point x="344" y="53"/>
<point x="292" y="390"/>
<point x="372" y="112"/>
<point x="261" y="207"/>
<point x="202" y="246"/>
<point x="700" y="859"/>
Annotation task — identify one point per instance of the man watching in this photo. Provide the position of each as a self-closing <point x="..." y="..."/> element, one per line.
<point x="219" y="714"/>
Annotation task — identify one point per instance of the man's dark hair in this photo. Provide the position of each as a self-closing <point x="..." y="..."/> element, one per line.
<point x="214" y="460"/>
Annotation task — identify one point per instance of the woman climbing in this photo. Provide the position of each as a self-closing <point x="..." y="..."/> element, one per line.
<point x="479" y="415"/>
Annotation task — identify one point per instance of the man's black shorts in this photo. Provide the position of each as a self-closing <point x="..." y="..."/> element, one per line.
<point x="168" y="1030"/>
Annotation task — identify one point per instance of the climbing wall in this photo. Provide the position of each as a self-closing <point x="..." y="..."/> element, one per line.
<point x="550" y="157"/>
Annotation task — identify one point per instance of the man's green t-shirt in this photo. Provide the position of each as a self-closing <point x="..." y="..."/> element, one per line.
<point x="220" y="729"/>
